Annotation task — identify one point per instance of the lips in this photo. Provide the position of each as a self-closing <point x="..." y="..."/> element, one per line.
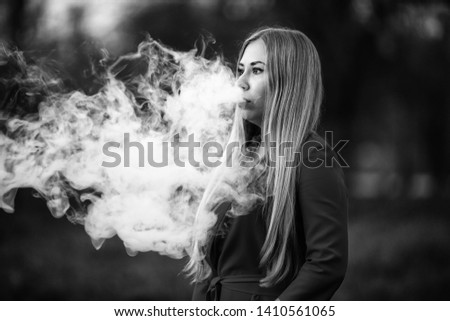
<point x="244" y="104"/>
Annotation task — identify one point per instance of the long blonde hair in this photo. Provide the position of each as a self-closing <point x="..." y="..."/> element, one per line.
<point x="292" y="111"/>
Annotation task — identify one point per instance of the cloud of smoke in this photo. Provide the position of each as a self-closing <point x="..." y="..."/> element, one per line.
<point x="163" y="97"/>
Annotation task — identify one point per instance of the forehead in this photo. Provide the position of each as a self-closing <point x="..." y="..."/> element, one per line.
<point x="255" y="51"/>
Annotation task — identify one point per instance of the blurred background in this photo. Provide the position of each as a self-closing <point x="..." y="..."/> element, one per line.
<point x="386" y="69"/>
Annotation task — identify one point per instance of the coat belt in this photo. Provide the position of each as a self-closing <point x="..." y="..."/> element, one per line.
<point x="243" y="283"/>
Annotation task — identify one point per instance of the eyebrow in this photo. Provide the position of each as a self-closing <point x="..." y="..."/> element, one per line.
<point x="253" y="63"/>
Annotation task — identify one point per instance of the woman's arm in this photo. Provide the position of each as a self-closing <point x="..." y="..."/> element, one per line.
<point x="324" y="203"/>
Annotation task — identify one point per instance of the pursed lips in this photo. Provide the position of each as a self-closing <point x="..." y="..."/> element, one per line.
<point x="244" y="103"/>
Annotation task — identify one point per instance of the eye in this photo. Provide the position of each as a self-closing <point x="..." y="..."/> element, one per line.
<point x="240" y="71"/>
<point x="257" y="70"/>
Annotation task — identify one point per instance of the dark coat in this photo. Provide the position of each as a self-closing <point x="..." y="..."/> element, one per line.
<point x="321" y="225"/>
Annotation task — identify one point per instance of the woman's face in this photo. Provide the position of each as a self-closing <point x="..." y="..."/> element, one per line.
<point x="253" y="80"/>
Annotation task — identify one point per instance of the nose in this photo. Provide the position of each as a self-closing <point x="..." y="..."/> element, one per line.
<point x="243" y="82"/>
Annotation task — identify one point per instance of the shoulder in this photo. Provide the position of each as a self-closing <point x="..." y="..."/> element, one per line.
<point x="315" y="151"/>
<point x="319" y="168"/>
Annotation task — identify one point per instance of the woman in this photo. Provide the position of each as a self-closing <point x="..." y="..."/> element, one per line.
<point x="293" y="245"/>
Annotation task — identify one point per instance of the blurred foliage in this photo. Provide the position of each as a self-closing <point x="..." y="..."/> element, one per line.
<point x="386" y="69"/>
<point x="398" y="251"/>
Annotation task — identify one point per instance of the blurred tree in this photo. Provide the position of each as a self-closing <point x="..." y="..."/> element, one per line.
<point x="385" y="64"/>
<point x="16" y="20"/>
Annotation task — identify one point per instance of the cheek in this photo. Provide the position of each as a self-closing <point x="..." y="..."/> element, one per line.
<point x="262" y="89"/>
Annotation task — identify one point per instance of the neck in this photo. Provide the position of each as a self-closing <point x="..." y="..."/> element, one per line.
<point x="252" y="131"/>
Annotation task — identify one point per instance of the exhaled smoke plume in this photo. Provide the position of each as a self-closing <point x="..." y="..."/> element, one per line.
<point x="59" y="151"/>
